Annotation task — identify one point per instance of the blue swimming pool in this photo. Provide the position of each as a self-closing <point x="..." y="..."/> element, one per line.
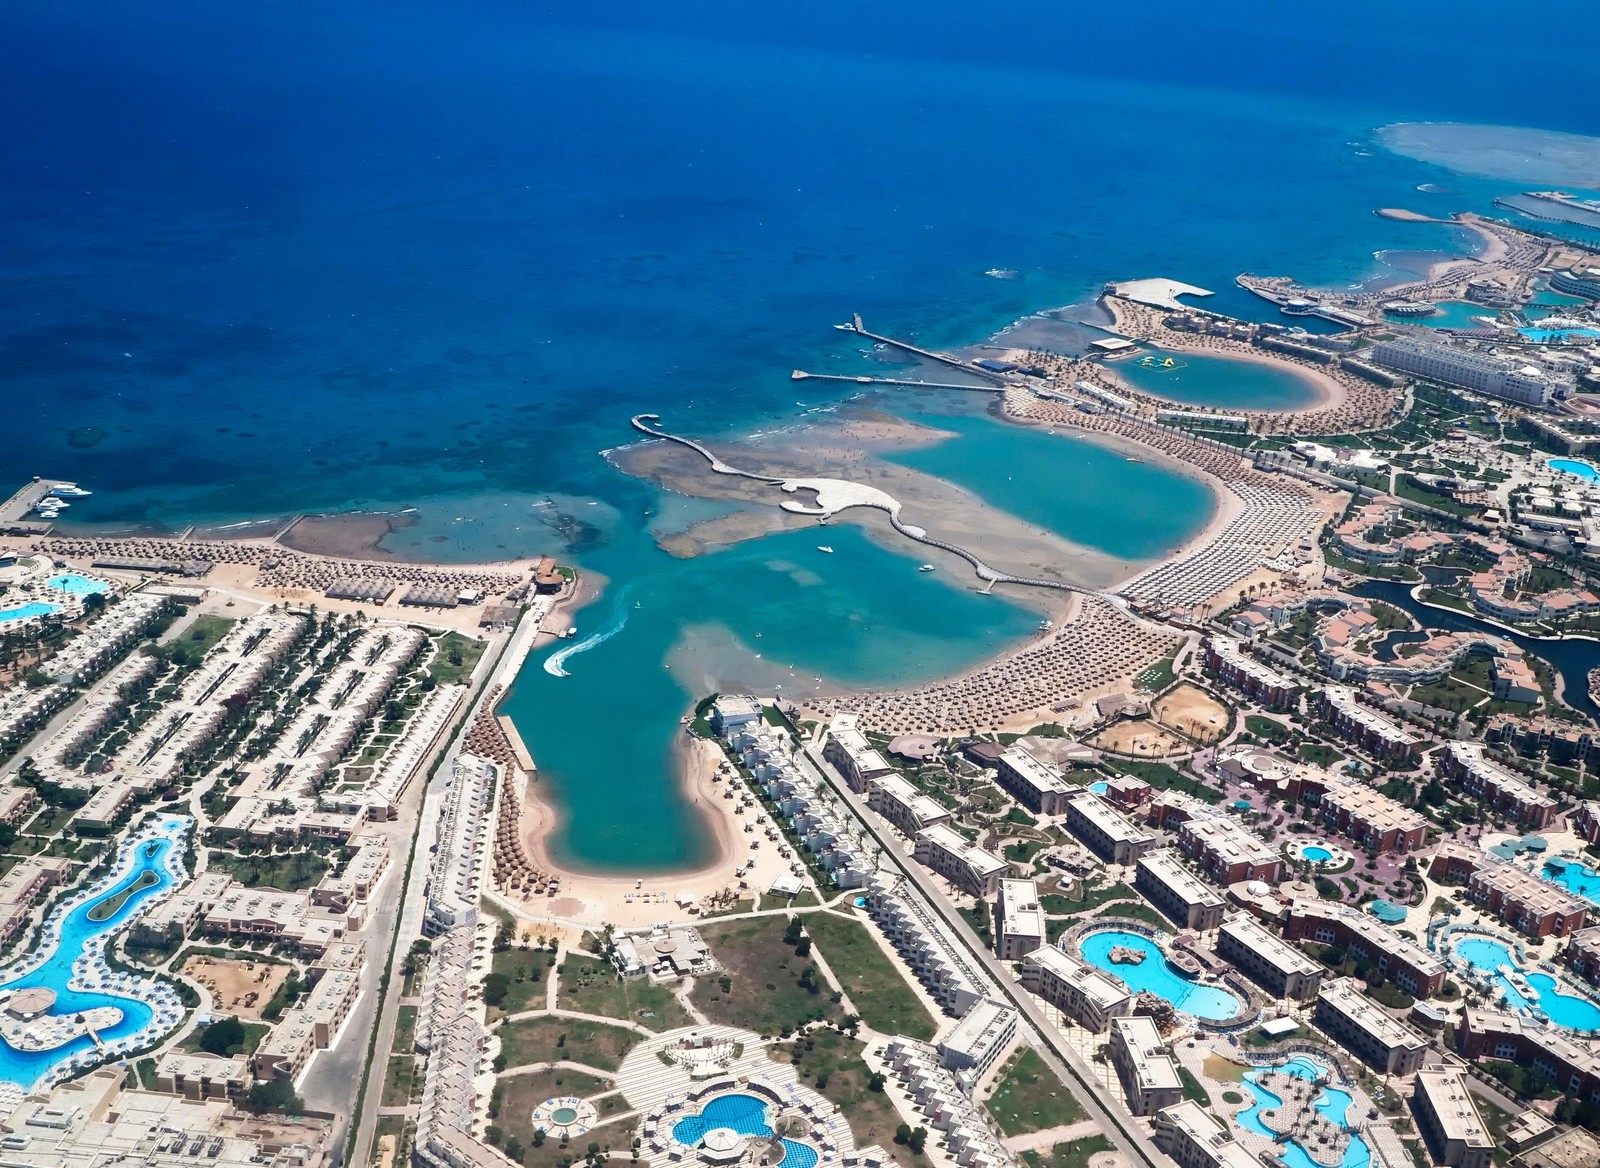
<point x="1332" y="1104"/>
<point x="1542" y="335"/>
<point x="1100" y="788"/>
<point x="1316" y="853"/>
<point x="68" y="937"/>
<point x="1487" y="956"/>
<point x="1573" y="467"/>
<point x="747" y="1115"/>
<point x="1153" y="975"/>
<point x="1387" y="911"/>
<point x="21" y="612"/>
<point x="76" y="585"/>
<point x="1575" y="878"/>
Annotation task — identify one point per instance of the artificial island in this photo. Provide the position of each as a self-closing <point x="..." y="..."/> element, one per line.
<point x="1280" y="850"/>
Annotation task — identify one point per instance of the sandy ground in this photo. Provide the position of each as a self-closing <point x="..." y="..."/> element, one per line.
<point x="231" y="983"/>
<point x="849" y="450"/>
<point x="1140" y="738"/>
<point x="354" y="536"/>
<point x="1192" y="711"/>
<point x="629" y="902"/>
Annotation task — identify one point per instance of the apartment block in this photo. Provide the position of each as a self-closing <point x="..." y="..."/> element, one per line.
<point x="1019" y="921"/>
<point x="1366" y="1029"/>
<point x="1534" y="907"/>
<point x="1468" y="764"/>
<point x="1107" y="832"/>
<point x="898" y="801"/>
<point x="1448" y="1119"/>
<point x="1269" y="961"/>
<point x="1178" y="892"/>
<point x="1228" y="852"/>
<point x="1572" y="1069"/>
<point x="1148" y="1072"/>
<point x="1195" y="1139"/>
<point x="856" y="758"/>
<point x="1371" y="731"/>
<point x="959" y="860"/>
<point x="1404" y="962"/>
<point x="1236" y="667"/>
<point x="1034" y="784"/>
<point x="1090" y="996"/>
<point x="1372" y="819"/>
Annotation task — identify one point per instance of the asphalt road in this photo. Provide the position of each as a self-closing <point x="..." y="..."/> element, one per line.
<point x="1065" y="1062"/>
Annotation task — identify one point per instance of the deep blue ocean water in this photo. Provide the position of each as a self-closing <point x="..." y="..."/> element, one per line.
<point x="262" y="259"/>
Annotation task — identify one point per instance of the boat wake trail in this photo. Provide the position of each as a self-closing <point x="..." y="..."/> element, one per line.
<point x="556" y="664"/>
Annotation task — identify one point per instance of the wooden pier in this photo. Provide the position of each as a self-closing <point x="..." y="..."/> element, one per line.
<point x="855" y="326"/>
<point x="905" y="382"/>
<point x="16" y="513"/>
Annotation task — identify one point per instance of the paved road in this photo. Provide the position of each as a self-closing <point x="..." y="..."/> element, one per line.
<point x="1122" y="1129"/>
<point x="410" y="906"/>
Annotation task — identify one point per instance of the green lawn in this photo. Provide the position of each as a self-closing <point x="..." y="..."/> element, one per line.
<point x="1061" y="905"/>
<point x="1073" y="1154"/>
<point x="763" y="975"/>
<point x="399" y="1080"/>
<point x="1266" y="729"/>
<point x="832" y="1060"/>
<point x="515" y="1097"/>
<point x="885" y="1001"/>
<point x="549" y="1039"/>
<point x="286" y="871"/>
<point x="405" y="1030"/>
<point x="590" y="986"/>
<point x="1156" y="677"/>
<point x="1029" y="1097"/>
<point x="254" y="1032"/>
<point x="525" y="971"/>
<point x="1164" y="778"/>
<point x="455" y="659"/>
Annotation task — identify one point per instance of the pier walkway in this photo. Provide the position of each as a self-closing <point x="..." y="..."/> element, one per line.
<point x="835" y="495"/>
<point x="855" y="326"/>
<point x="906" y="382"/>
<point x="15" y="511"/>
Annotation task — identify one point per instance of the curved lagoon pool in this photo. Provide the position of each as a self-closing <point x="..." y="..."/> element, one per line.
<point x="1332" y="1104"/>
<point x="1573" y="467"/>
<point x="1575" y="878"/>
<point x="22" y="612"/>
<point x="1487" y="955"/>
<point x="1154" y="976"/>
<point x="139" y="877"/>
<point x="745" y="1114"/>
<point x="75" y="585"/>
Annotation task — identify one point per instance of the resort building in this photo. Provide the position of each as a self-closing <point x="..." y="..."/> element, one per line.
<point x="982" y="1035"/>
<point x="847" y="749"/>
<point x="308" y="1027"/>
<point x="1365" y="1028"/>
<point x="1228" y="852"/>
<point x="1018" y="920"/>
<point x="202" y="1076"/>
<point x="1036" y="785"/>
<point x="285" y="917"/>
<point x="1583" y="954"/>
<point x="21" y="887"/>
<point x="934" y="955"/>
<point x="359" y="876"/>
<point x="1528" y="904"/>
<point x="894" y="798"/>
<point x="1449" y="1120"/>
<point x="944" y="1102"/>
<point x="731" y="711"/>
<point x="1468" y="764"/>
<point x="1365" y="938"/>
<point x="1148" y="1071"/>
<point x="1368" y="729"/>
<point x="1187" y="1132"/>
<point x="959" y="860"/>
<point x="1107" y="832"/>
<point x="1372" y="819"/>
<point x="1127" y="792"/>
<point x="1269" y="961"/>
<point x="1572" y="1069"/>
<point x="1480" y="372"/>
<point x="1178" y="892"/>
<point x="1090" y="996"/>
<point x="1236" y="667"/>
<point x="465" y="838"/>
<point x="177" y="915"/>
<point x="1586" y="821"/>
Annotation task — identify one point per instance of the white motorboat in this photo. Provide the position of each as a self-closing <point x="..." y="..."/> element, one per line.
<point x="822" y="547"/>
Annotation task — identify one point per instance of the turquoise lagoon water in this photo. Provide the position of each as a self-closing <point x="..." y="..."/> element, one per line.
<point x="1199" y="380"/>
<point x="27" y="611"/>
<point x="1332" y="1104"/>
<point x="436" y="255"/>
<point x="74" y="935"/>
<point x="745" y="1114"/>
<point x="76" y="585"/>
<point x="1487" y="955"/>
<point x="1154" y="975"/>
<point x="1074" y="488"/>
<point x="1575" y="878"/>
<point x="1545" y="335"/>
<point x="861" y="616"/>
<point x="1316" y="853"/>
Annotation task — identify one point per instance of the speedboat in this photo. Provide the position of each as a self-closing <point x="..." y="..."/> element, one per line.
<point x="70" y="490"/>
<point x="822" y="547"/>
<point x="926" y="568"/>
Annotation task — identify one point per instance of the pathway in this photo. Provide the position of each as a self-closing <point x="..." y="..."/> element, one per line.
<point x="1051" y="1136"/>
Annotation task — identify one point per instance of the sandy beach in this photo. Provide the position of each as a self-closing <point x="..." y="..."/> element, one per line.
<point x="630" y="901"/>
<point x="356" y="535"/>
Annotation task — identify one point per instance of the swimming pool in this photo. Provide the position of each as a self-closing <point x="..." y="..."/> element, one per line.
<point x="1100" y="788"/>
<point x="1155" y="976"/>
<point x="1316" y="853"/>
<point x="1575" y="878"/>
<point x="75" y="585"/>
<point x="1573" y="467"/>
<point x="21" y="612"/>
<point x="743" y="1113"/>
<point x="1542" y="335"/>
<point x="1387" y="911"/>
<point x="1487" y="955"/>
<point x="75" y="936"/>
<point x="1332" y="1104"/>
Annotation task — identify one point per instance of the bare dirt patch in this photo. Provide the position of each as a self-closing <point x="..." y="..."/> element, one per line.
<point x="1192" y="711"/>
<point x="240" y="988"/>
<point x="1140" y="738"/>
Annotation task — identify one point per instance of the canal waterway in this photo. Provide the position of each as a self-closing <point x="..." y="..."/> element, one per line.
<point x="1571" y="657"/>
